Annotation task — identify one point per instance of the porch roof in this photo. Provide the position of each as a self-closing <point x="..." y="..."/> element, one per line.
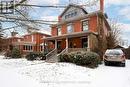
<point x="77" y="34"/>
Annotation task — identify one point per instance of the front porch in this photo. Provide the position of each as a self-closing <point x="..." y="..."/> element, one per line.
<point x="68" y="43"/>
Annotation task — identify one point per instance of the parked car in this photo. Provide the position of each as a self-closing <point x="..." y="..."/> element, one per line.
<point x="114" y="56"/>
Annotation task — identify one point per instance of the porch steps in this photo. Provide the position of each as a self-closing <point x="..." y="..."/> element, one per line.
<point x="52" y="59"/>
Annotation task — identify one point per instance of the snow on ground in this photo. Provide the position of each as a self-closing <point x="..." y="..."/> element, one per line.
<point x="16" y="72"/>
<point x="12" y="79"/>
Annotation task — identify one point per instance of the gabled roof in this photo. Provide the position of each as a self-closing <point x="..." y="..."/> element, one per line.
<point x="73" y="5"/>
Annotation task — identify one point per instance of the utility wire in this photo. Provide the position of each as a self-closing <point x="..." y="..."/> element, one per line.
<point x="44" y="6"/>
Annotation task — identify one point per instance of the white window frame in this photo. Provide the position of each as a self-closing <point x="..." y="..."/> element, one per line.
<point x="85" y="27"/>
<point x="59" y="30"/>
<point x="28" y="48"/>
<point x="72" y="28"/>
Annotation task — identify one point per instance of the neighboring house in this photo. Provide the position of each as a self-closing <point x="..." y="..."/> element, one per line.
<point x="11" y="42"/>
<point x="32" y="42"/>
<point x="77" y="29"/>
<point x="3" y="44"/>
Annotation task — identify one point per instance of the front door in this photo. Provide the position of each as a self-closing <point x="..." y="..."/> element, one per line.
<point x="84" y="42"/>
<point x="59" y="46"/>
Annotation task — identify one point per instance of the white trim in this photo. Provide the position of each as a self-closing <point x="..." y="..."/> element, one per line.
<point x="85" y="19"/>
<point x="88" y="43"/>
<point x="72" y="25"/>
<point x="67" y="45"/>
<point x="55" y="44"/>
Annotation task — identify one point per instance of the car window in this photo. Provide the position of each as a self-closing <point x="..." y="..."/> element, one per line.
<point x="113" y="52"/>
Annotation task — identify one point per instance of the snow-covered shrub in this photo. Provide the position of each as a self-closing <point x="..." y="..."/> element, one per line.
<point x="35" y="56"/>
<point x="42" y="56"/>
<point x="32" y="56"/>
<point x="89" y="59"/>
<point x="65" y="58"/>
<point x="7" y="54"/>
<point x="15" y="53"/>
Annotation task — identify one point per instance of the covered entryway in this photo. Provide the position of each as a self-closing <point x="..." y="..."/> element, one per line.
<point x="69" y="43"/>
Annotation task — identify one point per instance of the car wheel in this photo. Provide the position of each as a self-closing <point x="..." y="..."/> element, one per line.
<point x="123" y="64"/>
<point x="106" y="63"/>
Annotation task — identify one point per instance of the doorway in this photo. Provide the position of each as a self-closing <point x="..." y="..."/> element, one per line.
<point x="84" y="42"/>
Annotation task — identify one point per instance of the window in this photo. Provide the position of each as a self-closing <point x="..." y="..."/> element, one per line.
<point x="27" y="47"/>
<point x="85" y="25"/>
<point x="59" y="30"/>
<point x="41" y="48"/>
<point x="71" y="14"/>
<point x="85" y="42"/>
<point x="69" y="28"/>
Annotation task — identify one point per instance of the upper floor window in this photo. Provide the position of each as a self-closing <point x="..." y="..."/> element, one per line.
<point x="71" y="14"/>
<point x="59" y="30"/>
<point x="69" y="28"/>
<point x="85" y="25"/>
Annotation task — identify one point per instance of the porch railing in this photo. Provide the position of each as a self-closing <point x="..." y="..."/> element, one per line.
<point x="63" y="52"/>
<point x="52" y="53"/>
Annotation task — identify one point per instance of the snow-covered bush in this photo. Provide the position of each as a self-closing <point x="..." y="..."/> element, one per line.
<point x="32" y="56"/>
<point x="35" y="56"/>
<point x="65" y="58"/>
<point x="15" y="53"/>
<point x="89" y="59"/>
<point x="7" y="54"/>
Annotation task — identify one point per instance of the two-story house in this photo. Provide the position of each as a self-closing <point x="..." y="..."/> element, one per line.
<point x="32" y="42"/>
<point x="77" y="29"/>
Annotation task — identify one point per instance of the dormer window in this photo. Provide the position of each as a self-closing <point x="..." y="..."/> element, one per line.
<point x="70" y="28"/>
<point x="71" y="14"/>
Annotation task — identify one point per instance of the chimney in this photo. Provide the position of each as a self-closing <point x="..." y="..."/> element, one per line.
<point x="102" y="5"/>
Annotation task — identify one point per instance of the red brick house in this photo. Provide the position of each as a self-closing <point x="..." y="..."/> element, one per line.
<point x="10" y="42"/>
<point x="32" y="42"/>
<point x="77" y="29"/>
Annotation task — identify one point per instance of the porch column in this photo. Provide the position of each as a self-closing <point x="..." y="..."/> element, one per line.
<point x="88" y="49"/>
<point x="44" y="45"/>
<point x="55" y="44"/>
<point x="67" y="46"/>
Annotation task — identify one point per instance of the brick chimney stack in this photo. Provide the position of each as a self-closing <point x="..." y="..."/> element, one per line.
<point x="102" y="5"/>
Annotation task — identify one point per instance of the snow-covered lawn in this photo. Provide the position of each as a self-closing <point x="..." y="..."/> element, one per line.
<point x="23" y="73"/>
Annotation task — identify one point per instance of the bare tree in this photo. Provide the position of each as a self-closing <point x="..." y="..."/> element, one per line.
<point x="114" y="36"/>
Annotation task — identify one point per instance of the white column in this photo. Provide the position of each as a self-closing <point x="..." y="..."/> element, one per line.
<point x="55" y="44"/>
<point x="88" y="48"/>
<point x="67" y="46"/>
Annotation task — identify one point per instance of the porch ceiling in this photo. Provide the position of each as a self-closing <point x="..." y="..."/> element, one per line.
<point x="78" y="34"/>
